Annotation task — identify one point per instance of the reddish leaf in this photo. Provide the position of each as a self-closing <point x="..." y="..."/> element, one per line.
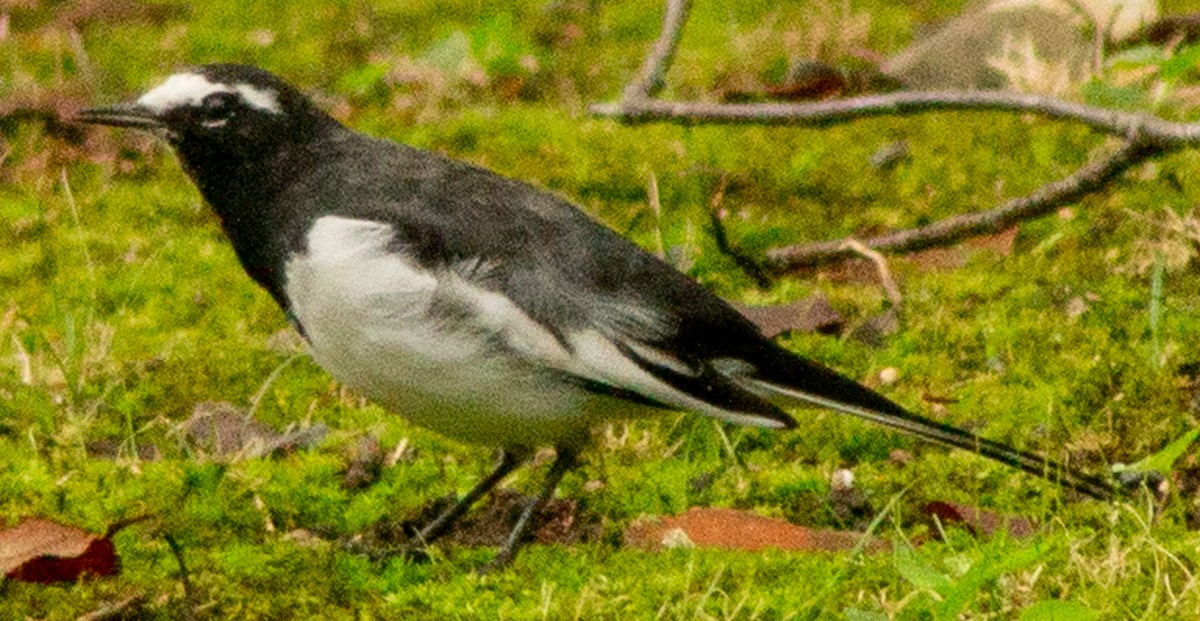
<point x="730" y="529"/>
<point x="38" y="550"/>
<point x="978" y="521"/>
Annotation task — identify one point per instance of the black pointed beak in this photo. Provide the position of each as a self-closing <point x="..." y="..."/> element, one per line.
<point x="122" y="115"/>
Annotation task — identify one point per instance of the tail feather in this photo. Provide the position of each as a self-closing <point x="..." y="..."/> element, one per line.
<point x="793" y="378"/>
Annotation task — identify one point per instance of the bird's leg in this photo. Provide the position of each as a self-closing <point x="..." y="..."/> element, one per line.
<point x="509" y="460"/>
<point x="565" y="461"/>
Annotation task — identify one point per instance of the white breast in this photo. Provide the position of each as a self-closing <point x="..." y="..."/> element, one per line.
<point x="365" y="308"/>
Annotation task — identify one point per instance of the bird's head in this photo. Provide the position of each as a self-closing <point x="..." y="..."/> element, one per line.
<point x="225" y="121"/>
<point x="219" y="110"/>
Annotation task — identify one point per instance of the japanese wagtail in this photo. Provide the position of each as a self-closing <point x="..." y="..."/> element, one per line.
<point x="477" y="305"/>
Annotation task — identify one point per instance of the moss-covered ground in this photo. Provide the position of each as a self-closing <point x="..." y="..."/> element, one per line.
<point x="122" y="307"/>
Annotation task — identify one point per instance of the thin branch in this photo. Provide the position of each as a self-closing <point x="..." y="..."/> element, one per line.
<point x="119" y="525"/>
<point x="744" y="261"/>
<point x="653" y="76"/>
<point x="881" y="266"/>
<point x="189" y="595"/>
<point x="1128" y="125"/>
<point x="1044" y="200"/>
<point x="268" y="523"/>
<point x="660" y="247"/>
<point x="122" y="609"/>
<point x="397" y="454"/>
<point x="266" y="385"/>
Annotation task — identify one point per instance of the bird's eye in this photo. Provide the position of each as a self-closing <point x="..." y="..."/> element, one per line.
<point x="217" y="108"/>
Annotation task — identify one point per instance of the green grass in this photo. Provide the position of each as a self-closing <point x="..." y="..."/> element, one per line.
<point x="122" y="307"/>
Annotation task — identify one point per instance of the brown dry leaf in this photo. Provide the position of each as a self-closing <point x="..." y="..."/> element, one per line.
<point x="1168" y="30"/>
<point x="876" y="329"/>
<point x="978" y="521"/>
<point x="863" y="272"/>
<point x="954" y="257"/>
<point x="81" y="12"/>
<point x="850" y="505"/>
<point x="855" y="271"/>
<point x="808" y="80"/>
<point x="112" y="447"/>
<point x="559" y="521"/>
<point x="811" y="314"/>
<point x="364" y="463"/>
<point x="37" y="550"/>
<point x="929" y="397"/>
<point x="730" y="529"/>
<point x="225" y="430"/>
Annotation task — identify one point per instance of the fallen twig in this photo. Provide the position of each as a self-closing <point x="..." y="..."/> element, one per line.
<point x="1046" y="199"/>
<point x="116" y="610"/>
<point x="881" y="266"/>
<point x="189" y="595"/>
<point x="653" y="75"/>
<point x="1145" y="137"/>
<point x="744" y="261"/>
<point x="1132" y="126"/>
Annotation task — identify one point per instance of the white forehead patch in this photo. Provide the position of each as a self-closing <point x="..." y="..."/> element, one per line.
<point x="189" y="89"/>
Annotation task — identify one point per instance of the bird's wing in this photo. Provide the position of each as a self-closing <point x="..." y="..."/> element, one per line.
<point x="567" y="318"/>
<point x="547" y="282"/>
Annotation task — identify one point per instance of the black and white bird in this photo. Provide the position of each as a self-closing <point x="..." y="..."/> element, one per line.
<point x="476" y="305"/>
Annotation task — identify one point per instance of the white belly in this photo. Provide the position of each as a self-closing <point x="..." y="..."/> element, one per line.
<point x="366" y="312"/>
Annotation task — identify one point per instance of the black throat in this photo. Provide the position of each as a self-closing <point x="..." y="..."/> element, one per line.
<point x="244" y="183"/>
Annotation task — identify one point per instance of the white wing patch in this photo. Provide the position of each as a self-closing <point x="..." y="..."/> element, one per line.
<point x="660" y="358"/>
<point x="596" y="357"/>
<point x="189" y="89"/>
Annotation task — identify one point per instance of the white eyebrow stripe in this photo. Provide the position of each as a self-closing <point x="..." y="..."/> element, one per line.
<point x="262" y="99"/>
<point x="189" y="89"/>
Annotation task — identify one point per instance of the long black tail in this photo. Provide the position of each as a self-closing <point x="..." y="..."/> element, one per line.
<point x="792" y="377"/>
